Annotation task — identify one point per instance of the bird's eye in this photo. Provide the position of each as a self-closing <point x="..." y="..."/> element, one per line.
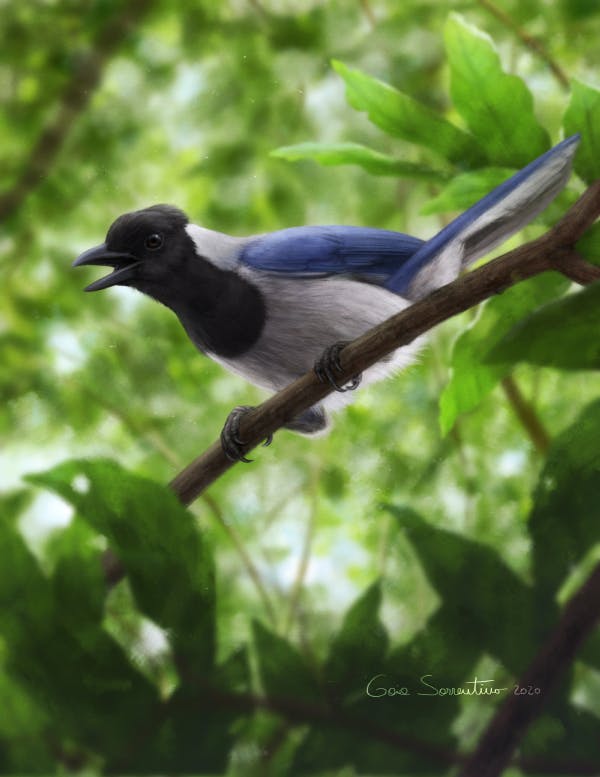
<point x="154" y="241"/>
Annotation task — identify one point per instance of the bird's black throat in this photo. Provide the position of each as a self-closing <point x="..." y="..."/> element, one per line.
<point x="221" y="312"/>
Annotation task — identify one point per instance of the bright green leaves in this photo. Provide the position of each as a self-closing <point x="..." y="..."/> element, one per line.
<point x="402" y="116"/>
<point x="472" y="377"/>
<point x="497" y="107"/>
<point x="355" y="154"/>
<point x="583" y="115"/>
<point x="563" y="334"/>
<point x="466" y="189"/>
<point x="169" y="568"/>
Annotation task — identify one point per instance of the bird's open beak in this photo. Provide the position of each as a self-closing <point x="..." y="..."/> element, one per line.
<point x="124" y="265"/>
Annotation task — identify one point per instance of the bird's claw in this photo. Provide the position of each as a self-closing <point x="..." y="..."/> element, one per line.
<point x="329" y="363"/>
<point x="231" y="442"/>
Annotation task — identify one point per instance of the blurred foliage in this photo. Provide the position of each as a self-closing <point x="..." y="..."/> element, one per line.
<point x="389" y="555"/>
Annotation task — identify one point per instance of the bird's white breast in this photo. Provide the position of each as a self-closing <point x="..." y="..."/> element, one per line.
<point x="304" y="316"/>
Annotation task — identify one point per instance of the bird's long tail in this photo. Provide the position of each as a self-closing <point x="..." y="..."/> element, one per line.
<point x="492" y="220"/>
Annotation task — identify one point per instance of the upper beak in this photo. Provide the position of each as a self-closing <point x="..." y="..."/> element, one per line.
<point x="123" y="264"/>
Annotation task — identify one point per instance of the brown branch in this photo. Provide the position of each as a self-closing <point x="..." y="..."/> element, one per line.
<point x="509" y="725"/>
<point x="532" y="43"/>
<point x="526" y="414"/>
<point x="551" y="251"/>
<point x="320" y="715"/>
<point x="75" y="97"/>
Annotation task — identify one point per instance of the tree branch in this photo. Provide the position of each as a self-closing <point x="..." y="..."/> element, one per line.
<point x="552" y="251"/>
<point x="509" y="725"/>
<point x="532" y="43"/>
<point x="526" y="414"/>
<point x="75" y="97"/>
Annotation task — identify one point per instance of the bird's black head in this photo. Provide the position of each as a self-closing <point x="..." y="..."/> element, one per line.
<point x="145" y="248"/>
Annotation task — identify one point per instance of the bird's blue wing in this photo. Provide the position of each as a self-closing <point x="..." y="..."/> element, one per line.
<point x="362" y="252"/>
<point x="486" y="224"/>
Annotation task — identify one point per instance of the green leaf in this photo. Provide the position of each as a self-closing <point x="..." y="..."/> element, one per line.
<point x="562" y="334"/>
<point x="589" y="245"/>
<point x="583" y="115"/>
<point x="283" y="671"/>
<point x="169" y="567"/>
<point x="332" y="154"/>
<point x="479" y="587"/>
<point x="497" y="107"/>
<point x="466" y="189"/>
<point x="358" y="650"/>
<point x="402" y="116"/>
<point x="198" y="734"/>
<point x="564" y="521"/>
<point x="472" y="378"/>
<point x="69" y="666"/>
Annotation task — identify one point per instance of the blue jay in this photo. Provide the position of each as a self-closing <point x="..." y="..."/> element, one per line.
<point x="266" y="306"/>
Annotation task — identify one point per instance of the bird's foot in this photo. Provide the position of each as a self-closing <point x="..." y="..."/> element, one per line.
<point x="329" y="363"/>
<point x="231" y="442"/>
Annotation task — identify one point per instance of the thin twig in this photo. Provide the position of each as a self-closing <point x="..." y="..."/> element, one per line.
<point x="294" y="600"/>
<point x="246" y="558"/>
<point x="527" y="415"/>
<point x="551" y="251"/>
<point x="532" y="43"/>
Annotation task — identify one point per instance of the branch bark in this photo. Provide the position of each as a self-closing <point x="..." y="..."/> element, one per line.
<point x="526" y="414"/>
<point x="509" y="725"/>
<point x="75" y="97"/>
<point x="552" y="251"/>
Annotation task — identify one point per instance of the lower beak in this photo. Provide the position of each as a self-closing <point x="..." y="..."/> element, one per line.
<point x="124" y="266"/>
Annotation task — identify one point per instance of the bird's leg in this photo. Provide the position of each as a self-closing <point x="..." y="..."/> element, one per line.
<point x="233" y="446"/>
<point x="329" y="363"/>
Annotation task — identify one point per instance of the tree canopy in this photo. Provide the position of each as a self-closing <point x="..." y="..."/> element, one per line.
<point x="325" y="610"/>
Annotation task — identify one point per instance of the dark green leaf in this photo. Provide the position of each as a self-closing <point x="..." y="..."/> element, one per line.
<point x="564" y="521"/>
<point x="197" y="736"/>
<point x="169" y="567"/>
<point x="358" y="650"/>
<point x="402" y="116"/>
<point x="283" y="671"/>
<point x="497" y="107"/>
<point x="583" y="115"/>
<point x="479" y="587"/>
<point x="70" y="667"/>
<point x="562" y="334"/>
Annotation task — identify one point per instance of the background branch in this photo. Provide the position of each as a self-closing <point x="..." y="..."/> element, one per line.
<point x="510" y="723"/>
<point x="526" y="414"/>
<point x="74" y="99"/>
<point x="532" y="43"/>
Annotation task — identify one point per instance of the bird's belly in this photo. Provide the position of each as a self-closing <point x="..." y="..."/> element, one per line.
<point x="305" y="316"/>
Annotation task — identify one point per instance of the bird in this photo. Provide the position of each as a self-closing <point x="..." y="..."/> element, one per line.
<point x="270" y="307"/>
